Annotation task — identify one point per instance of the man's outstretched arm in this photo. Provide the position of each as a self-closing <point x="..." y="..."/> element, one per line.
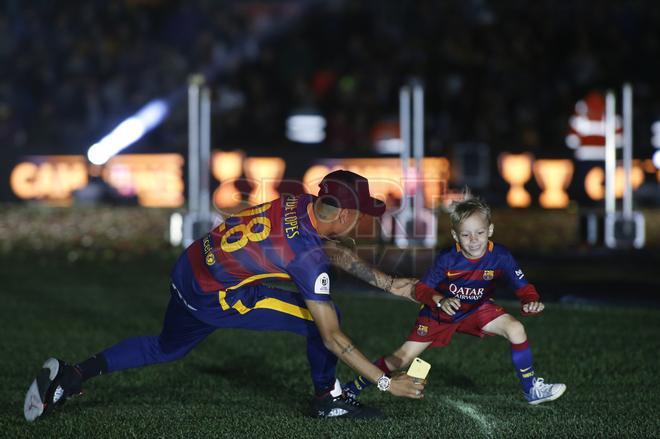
<point x="348" y="261"/>
<point x="338" y="343"/>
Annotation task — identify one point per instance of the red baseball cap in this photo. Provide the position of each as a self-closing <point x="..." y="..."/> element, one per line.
<point x="348" y="190"/>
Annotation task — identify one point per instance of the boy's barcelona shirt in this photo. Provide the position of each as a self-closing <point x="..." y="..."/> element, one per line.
<point x="471" y="281"/>
<point x="274" y="240"/>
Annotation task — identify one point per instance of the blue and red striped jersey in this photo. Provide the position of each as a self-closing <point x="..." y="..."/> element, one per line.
<point x="473" y="281"/>
<point x="274" y="240"/>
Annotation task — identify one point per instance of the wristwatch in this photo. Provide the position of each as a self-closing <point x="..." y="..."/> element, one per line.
<point x="383" y="383"/>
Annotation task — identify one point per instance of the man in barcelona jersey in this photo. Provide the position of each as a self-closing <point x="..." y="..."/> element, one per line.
<point x="221" y="281"/>
<point x="457" y="293"/>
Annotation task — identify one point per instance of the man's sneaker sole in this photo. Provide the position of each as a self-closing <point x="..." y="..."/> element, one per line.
<point x="340" y="413"/>
<point x="562" y="389"/>
<point x="342" y="407"/>
<point x="35" y="405"/>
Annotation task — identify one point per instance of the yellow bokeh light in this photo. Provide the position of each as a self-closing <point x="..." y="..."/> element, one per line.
<point x="553" y="177"/>
<point x="264" y="174"/>
<point x="594" y="181"/>
<point x="156" y="179"/>
<point x="226" y="167"/>
<point x="516" y="169"/>
<point x="385" y="176"/>
<point x="50" y="178"/>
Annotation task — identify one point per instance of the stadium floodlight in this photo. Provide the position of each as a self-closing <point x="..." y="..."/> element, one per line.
<point x="128" y="132"/>
<point x="655" y="141"/>
<point x="176" y="229"/>
<point x="306" y="128"/>
<point x="655" y="129"/>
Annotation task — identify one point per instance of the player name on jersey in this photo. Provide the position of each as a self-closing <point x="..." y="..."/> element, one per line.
<point x="290" y="217"/>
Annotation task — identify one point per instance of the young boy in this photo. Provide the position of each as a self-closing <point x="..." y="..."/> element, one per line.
<point x="457" y="296"/>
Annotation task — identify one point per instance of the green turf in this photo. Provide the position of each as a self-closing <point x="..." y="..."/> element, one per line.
<point x="244" y="384"/>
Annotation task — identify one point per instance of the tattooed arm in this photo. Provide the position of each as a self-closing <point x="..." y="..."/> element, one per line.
<point x="348" y="261"/>
<point x="334" y="339"/>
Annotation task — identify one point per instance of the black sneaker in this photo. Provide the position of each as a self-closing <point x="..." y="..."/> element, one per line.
<point x="342" y="406"/>
<point x="55" y="383"/>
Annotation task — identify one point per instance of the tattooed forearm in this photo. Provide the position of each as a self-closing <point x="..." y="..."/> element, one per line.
<point x="360" y="270"/>
<point x="348" y="349"/>
<point x="351" y="263"/>
<point x="371" y="275"/>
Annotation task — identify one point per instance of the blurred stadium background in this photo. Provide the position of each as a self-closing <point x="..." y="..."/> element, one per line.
<point x="514" y="107"/>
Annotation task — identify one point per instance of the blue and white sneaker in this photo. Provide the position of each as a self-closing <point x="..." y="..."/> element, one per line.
<point x="542" y="392"/>
<point x="56" y="382"/>
<point x="342" y="406"/>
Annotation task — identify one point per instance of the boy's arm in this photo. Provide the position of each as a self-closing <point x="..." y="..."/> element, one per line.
<point x="526" y="292"/>
<point x="433" y="299"/>
<point x="427" y="295"/>
<point x="530" y="300"/>
<point x="348" y="261"/>
<point x="425" y="291"/>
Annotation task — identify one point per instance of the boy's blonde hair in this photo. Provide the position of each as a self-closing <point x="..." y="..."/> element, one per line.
<point x="463" y="209"/>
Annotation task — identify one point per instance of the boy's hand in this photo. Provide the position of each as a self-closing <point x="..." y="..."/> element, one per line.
<point x="532" y="308"/>
<point x="449" y="305"/>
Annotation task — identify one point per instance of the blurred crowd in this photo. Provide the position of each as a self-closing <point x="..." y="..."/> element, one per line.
<point x="507" y="73"/>
<point x="72" y="71"/>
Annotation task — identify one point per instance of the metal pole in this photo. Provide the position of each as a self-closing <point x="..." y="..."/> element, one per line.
<point x="193" y="143"/>
<point x="610" y="154"/>
<point x="404" y="117"/>
<point x="404" y="216"/>
<point x="418" y="143"/>
<point x="627" y="152"/>
<point x="205" y="152"/>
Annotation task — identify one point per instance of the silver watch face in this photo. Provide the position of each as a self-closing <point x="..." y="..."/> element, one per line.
<point x="383" y="383"/>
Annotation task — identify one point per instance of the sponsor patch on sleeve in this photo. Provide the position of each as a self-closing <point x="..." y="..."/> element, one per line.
<point x="322" y="284"/>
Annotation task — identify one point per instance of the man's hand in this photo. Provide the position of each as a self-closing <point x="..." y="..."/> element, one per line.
<point x="449" y="304"/>
<point x="533" y="307"/>
<point x="404" y="287"/>
<point x="409" y="387"/>
<point x="325" y="317"/>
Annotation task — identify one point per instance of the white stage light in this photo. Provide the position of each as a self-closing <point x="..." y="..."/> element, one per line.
<point x="306" y="128"/>
<point x="128" y="132"/>
<point x="176" y="229"/>
<point x="655" y="129"/>
<point x="389" y="146"/>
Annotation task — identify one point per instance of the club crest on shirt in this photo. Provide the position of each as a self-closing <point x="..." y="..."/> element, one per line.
<point x="489" y="274"/>
<point x="422" y="330"/>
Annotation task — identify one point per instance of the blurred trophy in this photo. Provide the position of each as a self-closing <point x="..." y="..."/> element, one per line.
<point x="553" y="177"/>
<point x="516" y="169"/>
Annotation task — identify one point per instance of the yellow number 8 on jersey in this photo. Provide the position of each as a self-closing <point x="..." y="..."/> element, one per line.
<point x="247" y="234"/>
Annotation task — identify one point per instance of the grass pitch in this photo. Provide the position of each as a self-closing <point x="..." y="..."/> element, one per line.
<point x="248" y="384"/>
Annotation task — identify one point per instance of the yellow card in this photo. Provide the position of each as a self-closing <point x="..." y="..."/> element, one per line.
<point x="419" y="369"/>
